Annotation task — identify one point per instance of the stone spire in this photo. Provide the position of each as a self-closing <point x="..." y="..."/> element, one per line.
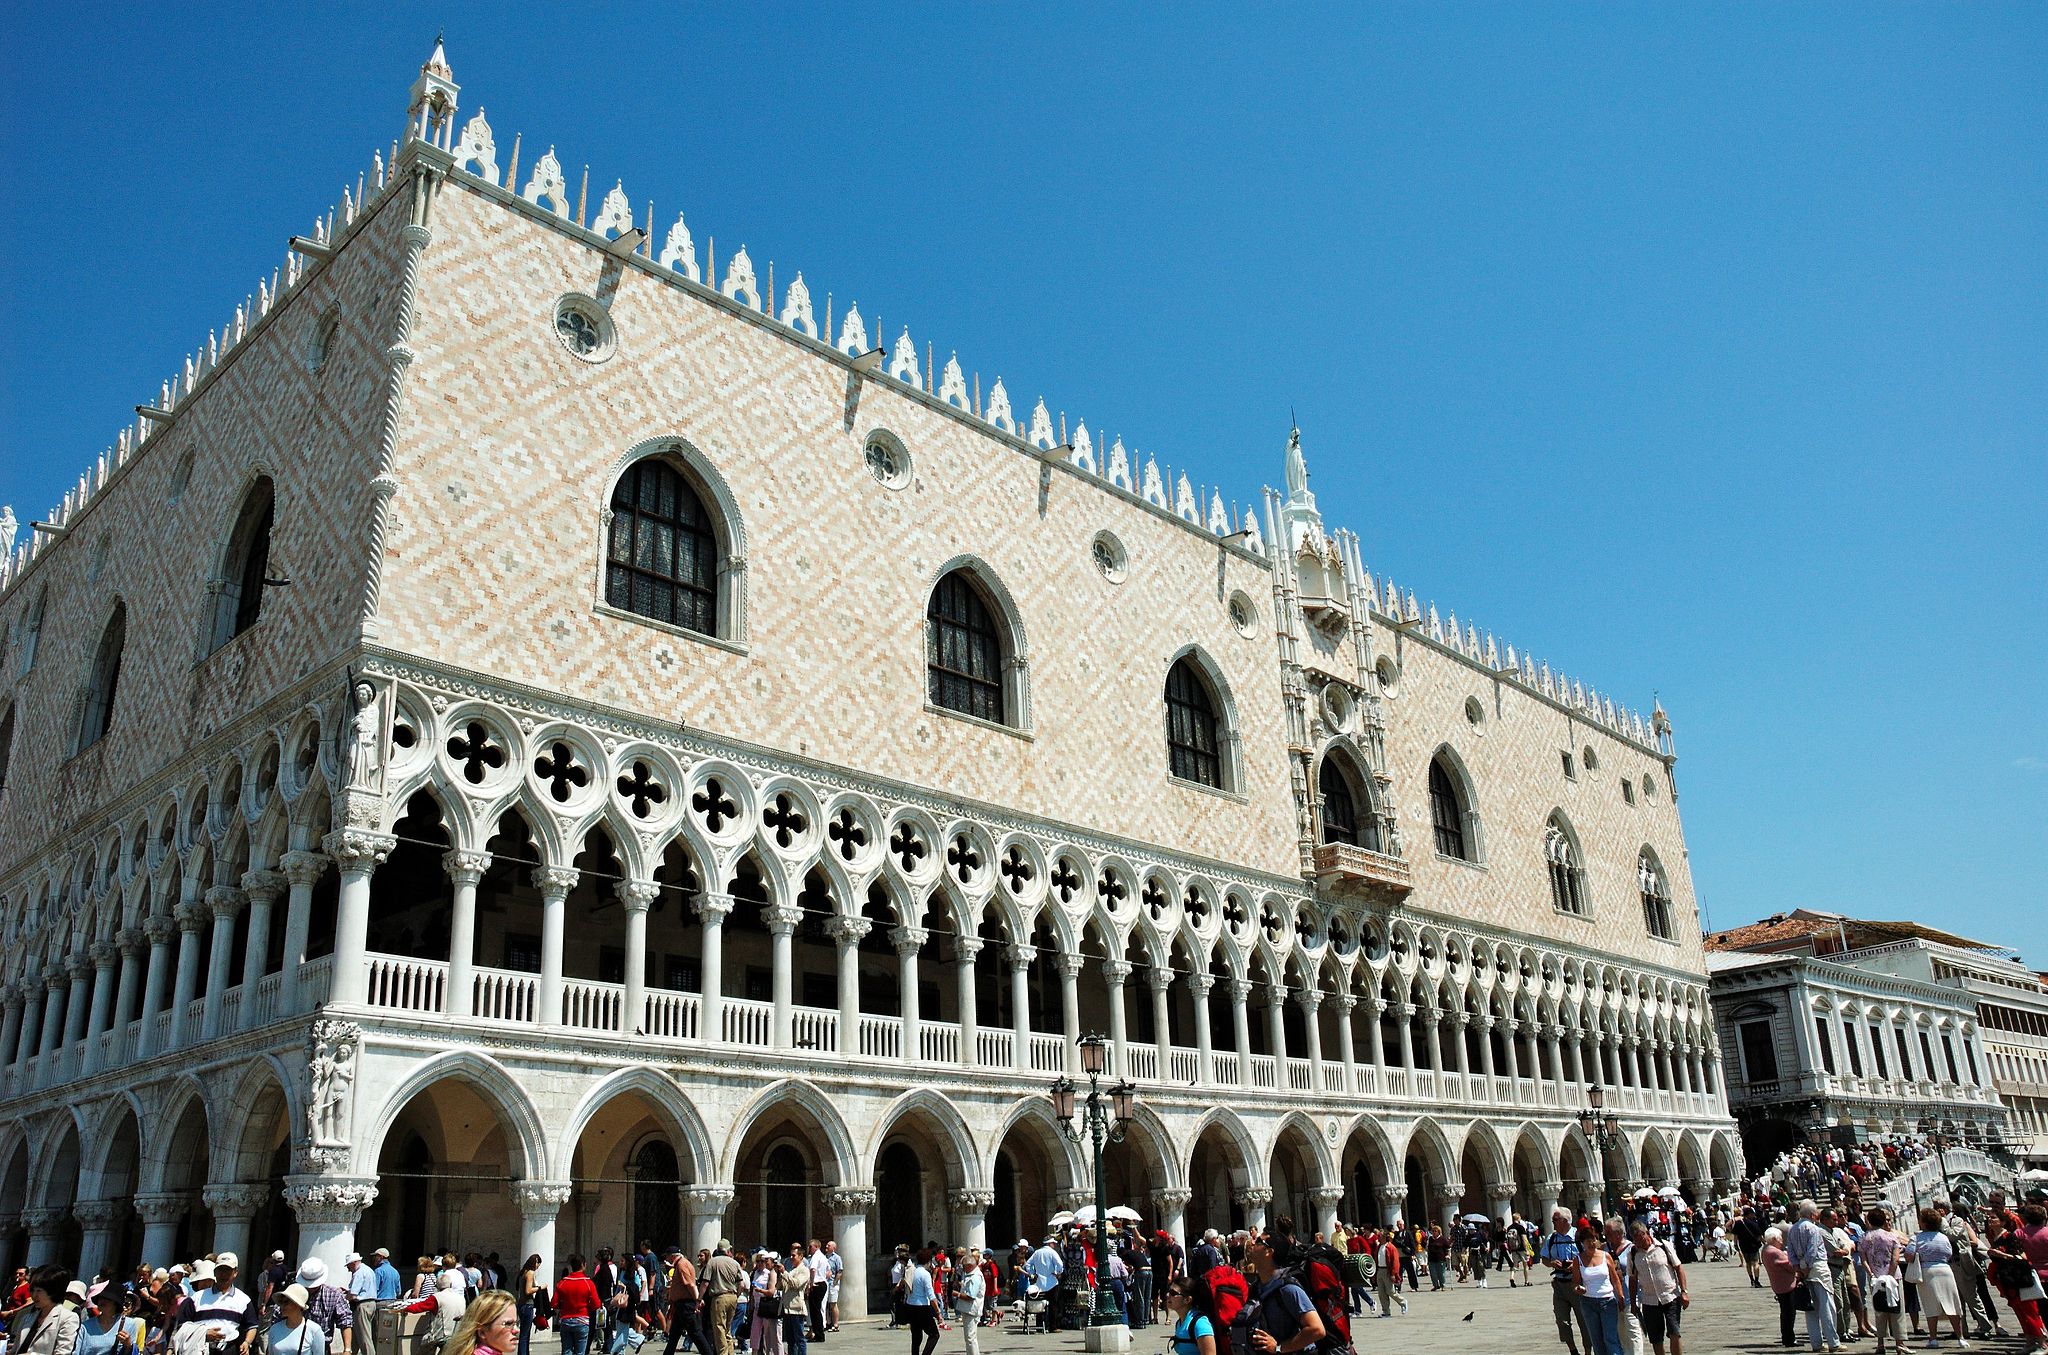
<point x="1302" y="520"/>
<point x="431" y="114"/>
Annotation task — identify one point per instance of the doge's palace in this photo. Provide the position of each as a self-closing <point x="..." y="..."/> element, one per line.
<point x="543" y="734"/>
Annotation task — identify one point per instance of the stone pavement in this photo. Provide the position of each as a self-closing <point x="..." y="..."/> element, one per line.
<point x="1726" y="1316"/>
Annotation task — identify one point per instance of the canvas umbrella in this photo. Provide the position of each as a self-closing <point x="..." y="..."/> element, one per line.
<point x="1061" y="1219"/>
<point x="1125" y="1212"/>
<point x="1475" y="1218"/>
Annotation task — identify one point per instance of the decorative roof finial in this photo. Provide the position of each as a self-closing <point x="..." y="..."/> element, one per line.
<point x="430" y="115"/>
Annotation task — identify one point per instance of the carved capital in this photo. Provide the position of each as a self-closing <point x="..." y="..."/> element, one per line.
<point x="1309" y="999"/>
<point x="1069" y="966"/>
<point x="1345" y="1001"/>
<point x="637" y="895"/>
<point x="192" y="916"/>
<point x="555" y="881"/>
<point x="849" y="1201"/>
<point x="303" y="869"/>
<point x="1200" y="985"/>
<point x="1549" y="1188"/>
<point x="234" y="1201"/>
<point x="847" y="931"/>
<point x="1115" y="972"/>
<point x="1240" y="991"/>
<point x="1393" y="1194"/>
<point x="224" y="901"/>
<point x="1020" y="956"/>
<point x="968" y="947"/>
<point x="358" y="851"/>
<point x="330" y="1200"/>
<point x="1171" y="1200"/>
<point x="708" y="1199"/>
<point x="264" y="886"/>
<point x="465" y="868"/>
<point x="780" y="920"/>
<point x="1405" y="1010"/>
<point x="541" y="1198"/>
<point x="1254" y="1197"/>
<point x="908" y="940"/>
<point x="164" y="1208"/>
<point x="714" y="908"/>
<point x="104" y="954"/>
<point x="971" y="1201"/>
<point x="1326" y="1197"/>
<point x="42" y="1222"/>
<point x="131" y="941"/>
<point x="1450" y="1192"/>
<point x="159" y="929"/>
<point x="98" y="1216"/>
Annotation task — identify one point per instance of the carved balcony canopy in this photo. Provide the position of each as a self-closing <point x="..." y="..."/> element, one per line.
<point x="1342" y="869"/>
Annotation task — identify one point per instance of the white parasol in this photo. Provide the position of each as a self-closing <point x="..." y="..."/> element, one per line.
<point x="1125" y="1212"/>
<point x="1475" y="1218"/>
<point x="1061" y="1219"/>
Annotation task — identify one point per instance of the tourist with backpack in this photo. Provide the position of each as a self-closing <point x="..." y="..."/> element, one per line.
<point x="1281" y="1319"/>
<point x="1194" y="1331"/>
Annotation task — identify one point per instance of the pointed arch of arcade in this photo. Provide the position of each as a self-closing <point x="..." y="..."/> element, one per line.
<point x="1251" y="1162"/>
<point x="672" y="1110"/>
<point x="1481" y="1140"/>
<point x="1036" y="1113"/>
<point x="1318" y="1150"/>
<point x="1657" y="1164"/>
<point x="964" y="1169"/>
<point x="1691" y="1157"/>
<point x="167" y="1148"/>
<point x="1429" y="1152"/>
<point x="1724" y="1154"/>
<point x="491" y="1082"/>
<point x="55" y="1174"/>
<point x="265" y="1091"/>
<point x="840" y="1161"/>
<point x="98" y="1168"/>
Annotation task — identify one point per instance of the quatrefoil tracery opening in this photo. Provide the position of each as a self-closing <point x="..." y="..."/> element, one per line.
<point x="1234" y="915"/>
<point x="1153" y="896"/>
<point x="476" y="752"/>
<point x="784" y="817"/>
<point x="908" y="847"/>
<point x="1017" y="870"/>
<point x="561" y="771"/>
<point x="1065" y="880"/>
<point x="847" y="834"/>
<point x="1197" y="905"/>
<point x="1112" y="891"/>
<point x="713" y="805"/>
<point x="963" y="858"/>
<point x="641" y="791"/>
<point x="1270" y="920"/>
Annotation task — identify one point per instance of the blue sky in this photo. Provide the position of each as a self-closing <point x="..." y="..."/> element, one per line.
<point x="1702" y="350"/>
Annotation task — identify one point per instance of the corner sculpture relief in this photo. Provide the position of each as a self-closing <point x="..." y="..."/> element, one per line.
<point x="330" y="1076"/>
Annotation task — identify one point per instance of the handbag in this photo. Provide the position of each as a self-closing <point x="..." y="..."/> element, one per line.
<point x="1802" y="1297"/>
<point x="767" y="1305"/>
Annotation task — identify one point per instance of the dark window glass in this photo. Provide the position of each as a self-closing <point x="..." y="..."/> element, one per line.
<point x="1340" y="816"/>
<point x="255" y="564"/>
<point x="1191" y="734"/>
<point x="963" y="650"/>
<point x="662" y="560"/>
<point x="522" y="953"/>
<point x="6" y="745"/>
<point x="1877" y="1051"/>
<point x="1446" y="813"/>
<point x="106" y="680"/>
<point x="1855" y="1053"/>
<point x="1827" y="1048"/>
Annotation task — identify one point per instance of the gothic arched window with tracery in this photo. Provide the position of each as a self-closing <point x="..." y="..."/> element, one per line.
<point x="1194" y="744"/>
<point x="1650" y="883"/>
<point x="964" y="650"/>
<point x="662" y="559"/>
<point x="1446" y="812"/>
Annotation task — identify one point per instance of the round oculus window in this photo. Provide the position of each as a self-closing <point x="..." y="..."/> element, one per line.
<point x="584" y="327"/>
<point x="887" y="461"/>
<point x="1475" y="712"/>
<point x="1388" y="674"/>
<point x="1110" y="560"/>
<point x="1244" y="614"/>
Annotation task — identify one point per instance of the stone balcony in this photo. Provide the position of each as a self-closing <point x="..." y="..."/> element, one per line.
<point x="1341" y="866"/>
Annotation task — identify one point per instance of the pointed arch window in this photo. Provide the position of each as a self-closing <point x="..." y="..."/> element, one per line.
<point x="1194" y="746"/>
<point x="1347" y="806"/>
<point x="1650" y="883"/>
<point x="1567" y="872"/>
<point x="96" y="714"/>
<point x="964" y="650"/>
<point x="6" y="745"/>
<point x="1447" y="813"/>
<point x="662" y="559"/>
<point x="245" y="566"/>
<point x="32" y="631"/>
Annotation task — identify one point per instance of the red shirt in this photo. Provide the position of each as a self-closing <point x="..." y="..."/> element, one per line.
<point x="576" y="1296"/>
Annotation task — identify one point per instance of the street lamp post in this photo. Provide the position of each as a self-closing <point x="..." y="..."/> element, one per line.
<point x="1941" y="1142"/>
<point x="1101" y="1123"/>
<point x="1602" y="1128"/>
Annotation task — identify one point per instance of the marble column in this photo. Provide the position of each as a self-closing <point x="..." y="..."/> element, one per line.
<point x="1115" y="973"/>
<point x="1276" y="1032"/>
<point x="907" y="942"/>
<point x="846" y="934"/>
<point x="42" y="1225"/>
<point x="192" y="916"/>
<point x="1069" y="967"/>
<point x="782" y="921"/>
<point x="263" y="888"/>
<point x="965" y="949"/>
<point x="1160" y="980"/>
<point x="97" y="1220"/>
<point x="303" y="870"/>
<point x="1169" y="1210"/>
<point x="132" y="945"/>
<point x="234" y="1209"/>
<point x="159" y="930"/>
<point x="1549" y="1192"/>
<point x="10" y="1027"/>
<point x="1253" y="1200"/>
<point x="554" y="883"/>
<point x="102" y="1007"/>
<point x="328" y="1209"/>
<point x="1241" y="1027"/>
<point x="1404" y="1014"/>
<point x="1347" y="1050"/>
<point x="1205" y="1053"/>
<point x="540" y="1204"/>
<point x="465" y="872"/>
<point x="1311" y="1000"/>
<point x="705" y="1207"/>
<point x="1326" y="1199"/>
<point x="357" y="854"/>
<point x="850" y="1206"/>
<point x="970" y="1216"/>
<point x="714" y="909"/>
<point x="225" y="903"/>
<point x="1448" y="1197"/>
<point x="161" y="1215"/>
<point x="1392" y="1199"/>
<point x="1020" y="958"/>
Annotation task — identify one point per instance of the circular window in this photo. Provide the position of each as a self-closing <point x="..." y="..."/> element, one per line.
<point x="1475" y="713"/>
<point x="1243" y="614"/>
<point x="584" y="327"/>
<point x="1388" y="674"/>
<point x="1109" y="557"/>
<point x="1649" y="786"/>
<point x="1591" y="759"/>
<point x="887" y="460"/>
<point x="320" y="344"/>
<point x="1337" y="707"/>
<point x="181" y="475"/>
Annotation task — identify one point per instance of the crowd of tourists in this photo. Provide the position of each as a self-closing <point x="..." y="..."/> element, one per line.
<point x="1858" y="1274"/>
<point x="1839" y="1171"/>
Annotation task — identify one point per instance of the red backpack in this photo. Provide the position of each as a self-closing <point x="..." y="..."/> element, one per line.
<point x="1319" y="1270"/>
<point x="1220" y="1295"/>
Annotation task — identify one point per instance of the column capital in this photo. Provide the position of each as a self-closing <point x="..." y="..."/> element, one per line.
<point x="1327" y="1197"/>
<point x="711" y="904"/>
<point x="782" y="920"/>
<point x="968" y="947"/>
<point x="1115" y="972"/>
<point x="264" y="885"/>
<point x="234" y="1201"/>
<point x="971" y="1201"/>
<point x="908" y="940"/>
<point x="1240" y="990"/>
<point x="1253" y="1197"/>
<point x="1019" y="955"/>
<point x="159" y="928"/>
<point x="543" y="1198"/>
<point x="358" y="851"/>
<point x="1404" y="1010"/>
<point x="1309" y="999"/>
<point x="192" y="916"/>
<point x="131" y="941"/>
<point x="1450" y="1192"/>
<point x="637" y="896"/>
<point x="1500" y="1193"/>
<point x="708" y="1199"/>
<point x="850" y="1201"/>
<point x="555" y="881"/>
<point x="330" y="1200"/>
<point x="1171" y="1200"/>
<point x="168" y="1207"/>
<point x="225" y="900"/>
<point x="1393" y="1194"/>
<point x="78" y="967"/>
<point x="1159" y="979"/>
<point x="847" y="931"/>
<point x="303" y="868"/>
<point x="98" y="1215"/>
<point x="104" y="954"/>
<point x="1346" y="1001"/>
<point x="1200" y="984"/>
<point x="465" y="868"/>
<point x="1549" y="1188"/>
<point x="1431" y="1016"/>
<point x="42" y="1221"/>
<point x="1069" y="966"/>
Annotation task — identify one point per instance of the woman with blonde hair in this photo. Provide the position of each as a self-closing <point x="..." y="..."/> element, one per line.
<point x="489" y="1327"/>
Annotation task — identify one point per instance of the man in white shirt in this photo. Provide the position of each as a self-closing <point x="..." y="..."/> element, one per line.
<point x="817" y="1280"/>
<point x="837" y="1273"/>
<point x="362" y="1295"/>
<point x="1806" y="1247"/>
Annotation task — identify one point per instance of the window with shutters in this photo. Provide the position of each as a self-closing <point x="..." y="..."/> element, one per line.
<point x="964" y="650"/>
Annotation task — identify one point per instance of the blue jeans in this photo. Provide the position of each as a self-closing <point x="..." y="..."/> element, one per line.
<point x="575" y="1332"/>
<point x="1820" y="1318"/>
<point x="525" y="1328"/>
<point x="1603" y="1324"/>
